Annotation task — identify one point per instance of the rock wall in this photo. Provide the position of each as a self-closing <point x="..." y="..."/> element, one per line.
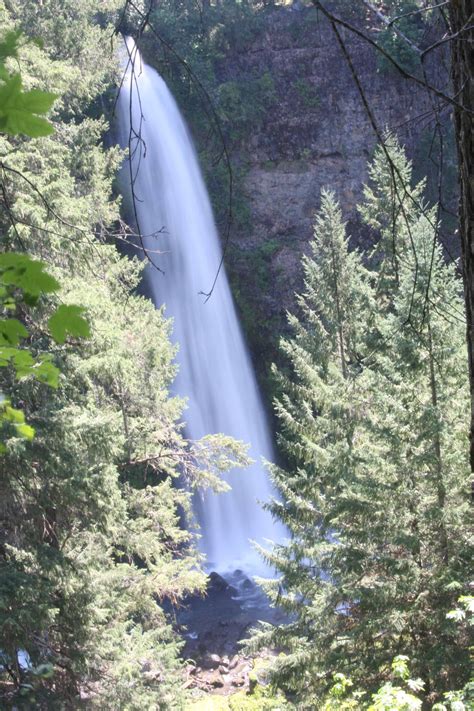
<point x="316" y="135"/>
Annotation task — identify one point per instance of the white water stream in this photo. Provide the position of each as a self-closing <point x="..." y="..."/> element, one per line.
<point x="215" y="371"/>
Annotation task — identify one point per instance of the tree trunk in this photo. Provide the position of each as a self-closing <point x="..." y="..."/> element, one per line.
<point x="462" y="56"/>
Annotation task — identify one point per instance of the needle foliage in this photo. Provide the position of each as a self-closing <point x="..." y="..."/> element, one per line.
<point x="372" y="412"/>
<point x="92" y="546"/>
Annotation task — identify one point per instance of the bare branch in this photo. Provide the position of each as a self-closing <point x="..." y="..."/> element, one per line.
<point x="388" y="23"/>
<point x="334" y="19"/>
<point x="417" y="12"/>
<point x="448" y="38"/>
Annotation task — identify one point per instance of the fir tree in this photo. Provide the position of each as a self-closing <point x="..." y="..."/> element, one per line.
<point x="331" y="459"/>
<point x="373" y="422"/>
<point x="91" y="541"/>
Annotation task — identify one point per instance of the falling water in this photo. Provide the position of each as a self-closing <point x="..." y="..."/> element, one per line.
<point x="215" y="371"/>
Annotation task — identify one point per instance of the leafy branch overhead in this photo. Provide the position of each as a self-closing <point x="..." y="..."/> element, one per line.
<point x="24" y="280"/>
<point x="21" y="112"/>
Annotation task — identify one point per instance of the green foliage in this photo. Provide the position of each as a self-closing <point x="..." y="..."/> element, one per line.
<point x="411" y="694"/>
<point x="68" y="320"/>
<point x="29" y="275"/>
<point x="373" y="411"/>
<point x="91" y="542"/>
<point x="12" y="418"/>
<point x="261" y="696"/>
<point x="262" y="277"/>
<point x="24" y="280"/>
<point x="258" y="260"/>
<point x="390" y="696"/>
<point x="20" y="111"/>
<point x="243" y="105"/>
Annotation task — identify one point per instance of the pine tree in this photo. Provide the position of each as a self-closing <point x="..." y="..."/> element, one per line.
<point x="390" y="207"/>
<point x="421" y="406"/>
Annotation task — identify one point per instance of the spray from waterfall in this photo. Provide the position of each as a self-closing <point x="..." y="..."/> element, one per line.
<point x="215" y="371"/>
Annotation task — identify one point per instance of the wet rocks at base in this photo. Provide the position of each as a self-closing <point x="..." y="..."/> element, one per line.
<point x="215" y="625"/>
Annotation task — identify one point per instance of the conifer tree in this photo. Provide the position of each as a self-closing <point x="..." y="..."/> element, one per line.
<point x="375" y="491"/>
<point x="326" y="486"/>
<point x="91" y="541"/>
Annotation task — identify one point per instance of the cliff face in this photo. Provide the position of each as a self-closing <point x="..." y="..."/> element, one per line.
<point x="295" y="123"/>
<point x="317" y="134"/>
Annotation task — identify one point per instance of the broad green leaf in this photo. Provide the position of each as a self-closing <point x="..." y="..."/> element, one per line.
<point x="6" y="355"/>
<point x="12" y="331"/>
<point x="47" y="373"/>
<point x="9" y="45"/>
<point x="9" y="93"/>
<point x="68" y="320"/>
<point x="13" y="415"/>
<point x="19" y="110"/>
<point x="38" y="102"/>
<point x="23" y="360"/>
<point x="27" y="274"/>
<point x="22" y="121"/>
<point x="400" y="666"/>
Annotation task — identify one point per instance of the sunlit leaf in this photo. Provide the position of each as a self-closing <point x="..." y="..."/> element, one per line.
<point x="13" y="415"/>
<point x="12" y="331"/>
<point x="9" y="45"/>
<point x="27" y="274"/>
<point x="25" y="431"/>
<point x="47" y="373"/>
<point x="68" y="320"/>
<point x="19" y="110"/>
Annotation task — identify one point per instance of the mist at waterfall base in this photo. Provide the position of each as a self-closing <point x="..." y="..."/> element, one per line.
<point x="215" y="371"/>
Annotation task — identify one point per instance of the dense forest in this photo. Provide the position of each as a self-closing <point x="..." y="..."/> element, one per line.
<point x="337" y="164"/>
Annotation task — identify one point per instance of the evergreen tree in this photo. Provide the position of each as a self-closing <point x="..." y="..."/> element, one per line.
<point x="91" y="541"/>
<point x="373" y="421"/>
<point x="332" y="461"/>
<point x="391" y="205"/>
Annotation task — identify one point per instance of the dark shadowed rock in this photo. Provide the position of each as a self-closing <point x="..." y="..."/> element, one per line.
<point x="219" y="621"/>
<point x="215" y="679"/>
<point x="217" y="584"/>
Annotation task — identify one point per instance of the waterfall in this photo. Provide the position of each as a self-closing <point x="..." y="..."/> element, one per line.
<point x="215" y="371"/>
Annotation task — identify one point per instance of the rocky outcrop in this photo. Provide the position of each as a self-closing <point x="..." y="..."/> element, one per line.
<point x="317" y="134"/>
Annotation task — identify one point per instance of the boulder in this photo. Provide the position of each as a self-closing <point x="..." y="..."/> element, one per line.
<point x="247" y="584"/>
<point x="211" y="661"/>
<point x="217" y="583"/>
<point x="215" y="679"/>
